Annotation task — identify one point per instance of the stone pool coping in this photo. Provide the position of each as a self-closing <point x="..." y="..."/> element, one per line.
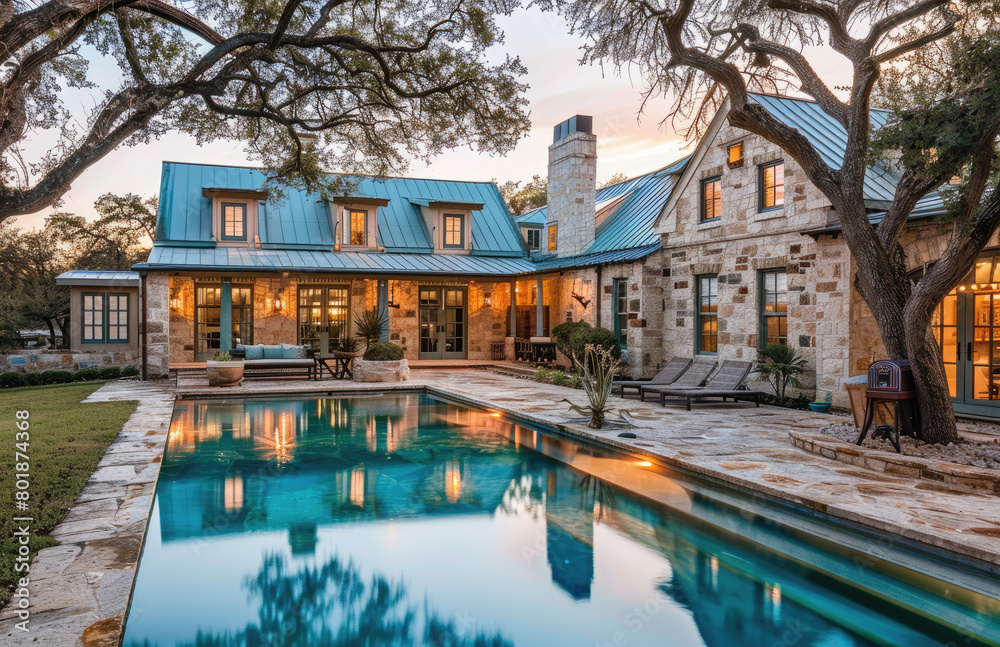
<point x="745" y="447"/>
<point x="877" y="460"/>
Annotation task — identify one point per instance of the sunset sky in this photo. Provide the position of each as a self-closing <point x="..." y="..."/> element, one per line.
<point x="560" y="88"/>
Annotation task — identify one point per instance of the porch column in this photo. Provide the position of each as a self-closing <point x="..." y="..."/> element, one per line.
<point x="539" y="308"/>
<point x="383" y="307"/>
<point x="512" y="318"/>
<point x="226" y="316"/>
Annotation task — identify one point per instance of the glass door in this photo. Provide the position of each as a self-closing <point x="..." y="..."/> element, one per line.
<point x="443" y="322"/>
<point x="208" y="318"/>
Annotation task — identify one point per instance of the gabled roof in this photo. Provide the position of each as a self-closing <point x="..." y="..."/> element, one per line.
<point x="631" y="225"/>
<point x="829" y="138"/>
<point x="300" y="220"/>
<point x="930" y="206"/>
<point x="98" y="277"/>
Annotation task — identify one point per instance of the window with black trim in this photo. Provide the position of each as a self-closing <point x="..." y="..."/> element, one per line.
<point x="323" y="316"/>
<point x="707" y="311"/>
<point x="773" y="308"/>
<point x="711" y="198"/>
<point x="553" y="231"/>
<point x="621" y="311"/>
<point x="454" y="230"/>
<point x="357" y="227"/>
<point x="534" y="238"/>
<point x="772" y="186"/>
<point x="105" y="318"/>
<point x="234" y="221"/>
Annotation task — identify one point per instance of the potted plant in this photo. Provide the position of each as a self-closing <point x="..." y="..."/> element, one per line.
<point x="382" y="361"/>
<point x="347" y="348"/>
<point x="598" y="371"/>
<point x="822" y="402"/>
<point x="780" y="366"/>
<point x="223" y="370"/>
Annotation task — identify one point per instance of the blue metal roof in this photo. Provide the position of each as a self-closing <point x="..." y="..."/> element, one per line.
<point x="829" y="138"/>
<point x="308" y="260"/>
<point x="300" y="220"/>
<point x="599" y="258"/>
<point x="930" y="206"/>
<point x="631" y="224"/>
<point x="97" y="277"/>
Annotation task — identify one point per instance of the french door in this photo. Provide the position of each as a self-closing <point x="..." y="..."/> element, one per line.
<point x="443" y="322"/>
<point x="967" y="328"/>
<point x="208" y="319"/>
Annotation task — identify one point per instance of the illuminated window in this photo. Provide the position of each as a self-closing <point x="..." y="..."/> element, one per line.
<point x="711" y="198"/>
<point x="105" y="318"/>
<point x="552" y="237"/>
<point x="707" y="341"/>
<point x="234" y="221"/>
<point x="357" y="223"/>
<point x="735" y="155"/>
<point x="324" y="312"/>
<point x="454" y="230"/>
<point x="773" y="308"/>
<point x="772" y="186"/>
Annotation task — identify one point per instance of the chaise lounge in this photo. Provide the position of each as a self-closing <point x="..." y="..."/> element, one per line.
<point x="728" y="382"/>
<point x="280" y="360"/>
<point x="673" y="370"/>
<point x="694" y="376"/>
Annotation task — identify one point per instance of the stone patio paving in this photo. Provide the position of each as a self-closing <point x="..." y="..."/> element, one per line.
<point x="736" y="443"/>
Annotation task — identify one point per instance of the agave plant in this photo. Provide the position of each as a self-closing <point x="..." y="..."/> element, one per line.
<point x="369" y="325"/>
<point x="598" y="370"/>
<point x="780" y="365"/>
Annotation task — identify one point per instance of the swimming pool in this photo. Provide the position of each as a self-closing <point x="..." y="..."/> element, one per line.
<point x="399" y="519"/>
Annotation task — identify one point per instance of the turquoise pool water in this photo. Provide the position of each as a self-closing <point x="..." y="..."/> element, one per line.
<point x="404" y="520"/>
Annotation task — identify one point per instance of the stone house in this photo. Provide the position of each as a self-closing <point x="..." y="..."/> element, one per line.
<point x="456" y="275"/>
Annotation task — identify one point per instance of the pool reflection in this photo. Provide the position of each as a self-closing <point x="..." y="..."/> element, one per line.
<point x="478" y="531"/>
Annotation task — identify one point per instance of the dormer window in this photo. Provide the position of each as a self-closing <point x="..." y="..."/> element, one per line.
<point x="234" y="221"/>
<point x="454" y="231"/>
<point x="534" y="237"/>
<point x="356" y="226"/>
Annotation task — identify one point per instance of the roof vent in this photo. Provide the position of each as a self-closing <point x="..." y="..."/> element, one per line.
<point x="575" y="124"/>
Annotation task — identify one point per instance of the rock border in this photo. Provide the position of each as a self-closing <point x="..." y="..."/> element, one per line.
<point x="976" y="478"/>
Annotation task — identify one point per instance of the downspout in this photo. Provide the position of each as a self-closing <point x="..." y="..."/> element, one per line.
<point x="142" y="326"/>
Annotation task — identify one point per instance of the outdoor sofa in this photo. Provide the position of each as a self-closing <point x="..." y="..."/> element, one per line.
<point x="728" y="382"/>
<point x="279" y="360"/>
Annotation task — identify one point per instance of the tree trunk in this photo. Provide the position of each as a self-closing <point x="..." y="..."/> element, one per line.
<point x="52" y="331"/>
<point x="64" y="329"/>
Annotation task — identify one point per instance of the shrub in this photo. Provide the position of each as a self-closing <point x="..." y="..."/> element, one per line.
<point x="369" y="326"/>
<point x="223" y="357"/>
<point x="562" y="335"/>
<point x="109" y="372"/>
<point x="559" y="379"/>
<point x="599" y="338"/>
<point x="53" y="376"/>
<point x="10" y="380"/>
<point x="780" y="365"/>
<point x="384" y="351"/>
<point x="130" y="371"/>
<point x="33" y="379"/>
<point x="10" y="338"/>
<point x="86" y="374"/>
<point x="576" y="382"/>
<point x="543" y="374"/>
<point x="598" y="367"/>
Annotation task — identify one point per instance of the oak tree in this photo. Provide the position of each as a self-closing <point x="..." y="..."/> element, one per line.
<point x="700" y="53"/>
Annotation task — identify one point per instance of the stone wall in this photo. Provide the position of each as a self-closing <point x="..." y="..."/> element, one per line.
<point x="572" y="191"/>
<point x="157" y="304"/>
<point x="67" y="360"/>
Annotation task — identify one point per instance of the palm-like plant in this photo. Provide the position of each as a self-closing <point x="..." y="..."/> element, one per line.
<point x="369" y="325"/>
<point x="780" y="366"/>
<point x="598" y="371"/>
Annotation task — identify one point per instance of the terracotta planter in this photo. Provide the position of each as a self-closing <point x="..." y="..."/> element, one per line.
<point x="339" y="354"/>
<point x="224" y="373"/>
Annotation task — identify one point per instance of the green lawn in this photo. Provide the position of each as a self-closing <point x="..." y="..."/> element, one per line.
<point x="67" y="440"/>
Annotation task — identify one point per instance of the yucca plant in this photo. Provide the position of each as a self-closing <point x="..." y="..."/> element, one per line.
<point x="598" y="369"/>
<point x="780" y="366"/>
<point x="369" y="325"/>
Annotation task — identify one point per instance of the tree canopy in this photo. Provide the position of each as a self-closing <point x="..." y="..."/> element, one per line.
<point x="522" y="199"/>
<point x="357" y="86"/>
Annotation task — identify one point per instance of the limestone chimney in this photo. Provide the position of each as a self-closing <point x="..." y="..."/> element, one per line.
<point x="572" y="187"/>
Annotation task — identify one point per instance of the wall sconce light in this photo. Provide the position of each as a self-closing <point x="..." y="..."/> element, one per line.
<point x="279" y="304"/>
<point x="488" y="299"/>
<point x="176" y="303"/>
<point x="392" y="296"/>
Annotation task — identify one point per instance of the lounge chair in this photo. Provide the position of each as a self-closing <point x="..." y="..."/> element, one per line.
<point x="728" y="382"/>
<point x="673" y="370"/>
<point x="697" y="372"/>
